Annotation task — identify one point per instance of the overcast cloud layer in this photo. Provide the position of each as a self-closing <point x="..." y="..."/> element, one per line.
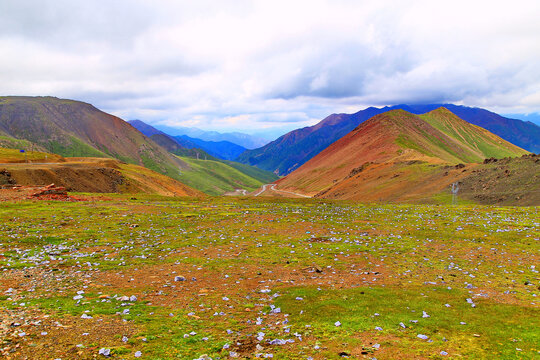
<point x="251" y="65"/>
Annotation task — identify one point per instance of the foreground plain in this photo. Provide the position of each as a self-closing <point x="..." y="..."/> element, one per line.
<point x="161" y="278"/>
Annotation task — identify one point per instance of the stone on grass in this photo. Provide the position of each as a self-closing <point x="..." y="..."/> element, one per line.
<point x="105" y="352"/>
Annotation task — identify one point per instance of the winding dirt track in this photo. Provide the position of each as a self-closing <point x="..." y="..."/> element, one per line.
<point x="273" y="188"/>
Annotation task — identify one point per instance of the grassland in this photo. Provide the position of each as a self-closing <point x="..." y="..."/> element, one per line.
<point x="168" y="278"/>
<point x="15" y="156"/>
<point x="12" y="143"/>
<point x="218" y="177"/>
<point x="254" y="172"/>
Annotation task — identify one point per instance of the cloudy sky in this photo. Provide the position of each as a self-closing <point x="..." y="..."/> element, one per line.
<point x="270" y="65"/>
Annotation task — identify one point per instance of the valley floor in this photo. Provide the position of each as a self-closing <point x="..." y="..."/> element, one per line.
<point x="141" y="276"/>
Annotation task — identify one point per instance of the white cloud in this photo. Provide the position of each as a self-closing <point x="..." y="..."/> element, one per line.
<point x="247" y="65"/>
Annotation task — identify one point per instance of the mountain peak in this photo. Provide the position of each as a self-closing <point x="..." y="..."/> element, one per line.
<point x="74" y="128"/>
<point x="399" y="137"/>
<point x="442" y="111"/>
<point x="291" y="150"/>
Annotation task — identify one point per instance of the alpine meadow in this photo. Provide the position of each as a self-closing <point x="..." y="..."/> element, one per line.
<point x="269" y="180"/>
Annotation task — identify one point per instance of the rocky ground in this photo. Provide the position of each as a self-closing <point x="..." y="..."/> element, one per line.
<point x="158" y="278"/>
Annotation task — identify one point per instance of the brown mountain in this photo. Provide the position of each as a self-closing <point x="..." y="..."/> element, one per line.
<point x="73" y="128"/>
<point x="290" y="151"/>
<point x="392" y="152"/>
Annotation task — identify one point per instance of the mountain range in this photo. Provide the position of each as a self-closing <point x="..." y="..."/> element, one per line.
<point x="245" y="140"/>
<point x="290" y="151"/>
<point x="399" y="155"/>
<point x="392" y="153"/>
<point x="210" y="171"/>
<point x="78" y="130"/>
<point x="224" y="150"/>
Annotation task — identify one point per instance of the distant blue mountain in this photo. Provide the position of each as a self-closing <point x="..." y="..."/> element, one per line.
<point x="225" y="150"/>
<point x="146" y="129"/>
<point x="532" y="117"/>
<point x="181" y="147"/>
<point x="293" y="149"/>
<point x="245" y="140"/>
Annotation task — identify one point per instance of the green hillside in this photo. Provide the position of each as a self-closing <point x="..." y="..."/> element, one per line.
<point x="12" y="155"/>
<point x="215" y="177"/>
<point x="479" y="142"/>
<point x="414" y="133"/>
<point x="252" y="171"/>
<point x="12" y="143"/>
<point x="441" y="134"/>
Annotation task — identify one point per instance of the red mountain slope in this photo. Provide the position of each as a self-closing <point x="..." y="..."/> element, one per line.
<point x="396" y="137"/>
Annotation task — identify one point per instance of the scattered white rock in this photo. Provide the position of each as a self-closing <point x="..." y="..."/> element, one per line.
<point x="105" y="352"/>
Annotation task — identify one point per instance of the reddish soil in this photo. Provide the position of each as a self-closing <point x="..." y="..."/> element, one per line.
<point x="48" y="192"/>
<point x="96" y="175"/>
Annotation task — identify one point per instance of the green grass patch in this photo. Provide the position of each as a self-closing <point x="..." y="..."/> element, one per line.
<point x="216" y="178"/>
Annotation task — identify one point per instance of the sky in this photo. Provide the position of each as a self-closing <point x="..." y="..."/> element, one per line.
<point x="271" y="66"/>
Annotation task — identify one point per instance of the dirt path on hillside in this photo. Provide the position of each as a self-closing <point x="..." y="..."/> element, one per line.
<point x="272" y="187"/>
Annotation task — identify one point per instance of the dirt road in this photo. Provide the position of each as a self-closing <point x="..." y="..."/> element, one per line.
<point x="273" y="188"/>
